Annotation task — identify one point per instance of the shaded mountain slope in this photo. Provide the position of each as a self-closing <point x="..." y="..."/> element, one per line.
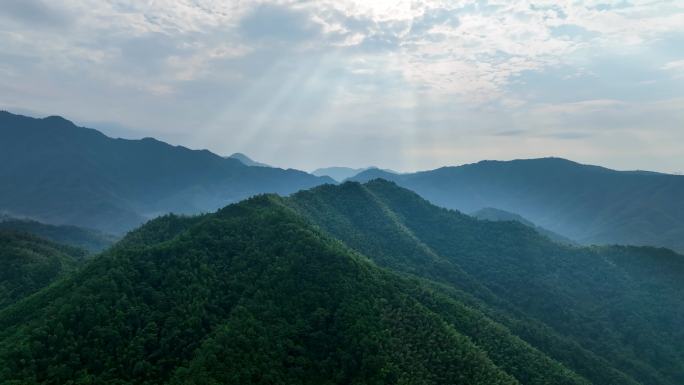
<point x="91" y="240"/>
<point x="582" y="294"/>
<point x="589" y="204"/>
<point x="64" y="174"/>
<point x="30" y="264"/>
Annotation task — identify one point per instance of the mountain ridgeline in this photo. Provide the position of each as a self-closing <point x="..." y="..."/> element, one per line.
<point x="64" y="174"/>
<point x="247" y="161"/>
<point x="588" y="204"/>
<point x="606" y="300"/>
<point x="351" y="284"/>
<point x="341" y="174"/>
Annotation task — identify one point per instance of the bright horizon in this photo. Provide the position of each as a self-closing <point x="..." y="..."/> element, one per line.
<point x="394" y="84"/>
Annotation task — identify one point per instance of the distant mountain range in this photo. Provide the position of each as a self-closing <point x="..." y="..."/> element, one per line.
<point x="343" y="284"/>
<point x="589" y="204"/>
<point x="63" y="174"/>
<point x="57" y="172"/>
<point x="340" y="174"/>
<point x="247" y="161"/>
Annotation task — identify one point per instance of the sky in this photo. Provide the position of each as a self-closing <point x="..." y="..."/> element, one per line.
<point x="407" y="85"/>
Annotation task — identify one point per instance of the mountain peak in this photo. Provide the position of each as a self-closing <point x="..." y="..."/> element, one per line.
<point x="56" y="121"/>
<point x="550" y="160"/>
<point x="341" y="174"/>
<point x="57" y="118"/>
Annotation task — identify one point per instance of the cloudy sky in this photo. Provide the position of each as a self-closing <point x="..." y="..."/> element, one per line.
<point x="400" y="84"/>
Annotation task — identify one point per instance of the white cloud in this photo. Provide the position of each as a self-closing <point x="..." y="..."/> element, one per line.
<point x="482" y="47"/>
<point x="675" y="67"/>
<point x="466" y="48"/>
<point x="420" y="69"/>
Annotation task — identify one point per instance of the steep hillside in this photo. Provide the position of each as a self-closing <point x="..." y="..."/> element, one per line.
<point x="30" y="264"/>
<point x="64" y="174"/>
<point x="590" y="301"/>
<point x="588" y="204"/>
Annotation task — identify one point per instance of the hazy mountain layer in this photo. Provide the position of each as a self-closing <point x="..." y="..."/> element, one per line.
<point x="247" y="161"/>
<point x="588" y="204"/>
<point x="340" y="174"/>
<point x="91" y="240"/>
<point x="64" y="174"/>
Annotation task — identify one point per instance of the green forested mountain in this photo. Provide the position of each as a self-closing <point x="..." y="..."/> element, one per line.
<point x="351" y="284"/>
<point x="603" y="304"/>
<point x="252" y="294"/>
<point x="91" y="240"/>
<point x="30" y="264"/>
<point x="64" y="174"/>
<point x="589" y="204"/>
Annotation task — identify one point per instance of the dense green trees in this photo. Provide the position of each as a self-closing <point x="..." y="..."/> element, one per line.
<point x="29" y="264"/>
<point x="350" y="284"/>
<point x="251" y="294"/>
<point x="615" y="304"/>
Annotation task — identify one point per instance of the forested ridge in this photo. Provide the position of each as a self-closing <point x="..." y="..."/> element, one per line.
<point x="30" y="263"/>
<point x="607" y="300"/>
<point x="350" y="284"/>
<point x="252" y="294"/>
